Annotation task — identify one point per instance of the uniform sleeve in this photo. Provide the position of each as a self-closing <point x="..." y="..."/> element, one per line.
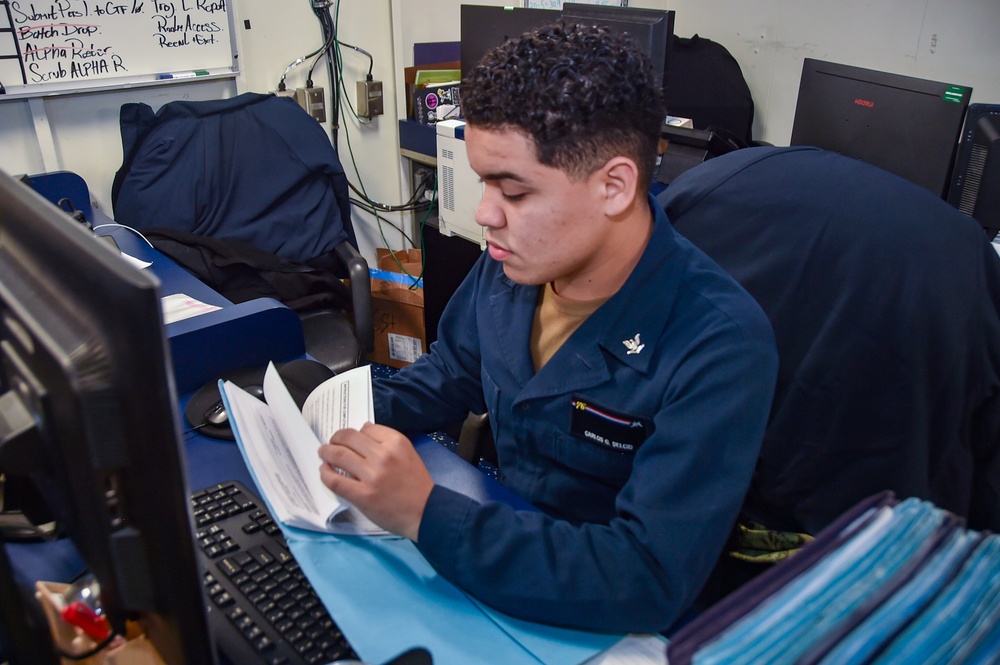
<point x="445" y="384"/>
<point x="641" y="571"/>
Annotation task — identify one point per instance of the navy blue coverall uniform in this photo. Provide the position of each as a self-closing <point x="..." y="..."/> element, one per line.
<point x="636" y="441"/>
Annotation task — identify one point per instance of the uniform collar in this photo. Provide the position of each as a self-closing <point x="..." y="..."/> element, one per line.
<point x="637" y="315"/>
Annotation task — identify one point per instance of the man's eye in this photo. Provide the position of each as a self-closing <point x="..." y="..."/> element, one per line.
<point x="513" y="197"/>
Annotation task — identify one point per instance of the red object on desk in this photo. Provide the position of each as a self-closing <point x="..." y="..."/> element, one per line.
<point x="79" y="615"/>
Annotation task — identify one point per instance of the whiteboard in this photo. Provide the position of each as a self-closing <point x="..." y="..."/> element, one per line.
<point x="60" y="46"/>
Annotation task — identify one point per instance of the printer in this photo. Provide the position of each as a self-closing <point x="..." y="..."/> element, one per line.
<point x="459" y="188"/>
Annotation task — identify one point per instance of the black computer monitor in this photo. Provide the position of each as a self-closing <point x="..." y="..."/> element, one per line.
<point x="483" y="28"/>
<point x="87" y="397"/>
<point x="652" y="29"/>
<point x="905" y="125"/>
<point x="975" y="185"/>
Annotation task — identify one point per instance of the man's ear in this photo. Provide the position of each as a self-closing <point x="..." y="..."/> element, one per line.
<point x="619" y="178"/>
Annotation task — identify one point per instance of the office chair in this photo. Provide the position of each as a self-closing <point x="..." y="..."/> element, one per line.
<point x="885" y="304"/>
<point x="248" y="194"/>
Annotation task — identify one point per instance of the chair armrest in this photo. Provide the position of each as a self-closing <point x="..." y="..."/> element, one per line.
<point x="59" y="185"/>
<point x="361" y="294"/>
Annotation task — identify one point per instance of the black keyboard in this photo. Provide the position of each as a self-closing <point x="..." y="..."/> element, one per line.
<point x="261" y="607"/>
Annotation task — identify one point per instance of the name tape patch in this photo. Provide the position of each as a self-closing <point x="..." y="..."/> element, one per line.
<point x="606" y="428"/>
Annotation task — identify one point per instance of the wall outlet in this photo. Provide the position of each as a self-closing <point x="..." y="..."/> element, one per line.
<point x="313" y="102"/>
<point x="370" y="99"/>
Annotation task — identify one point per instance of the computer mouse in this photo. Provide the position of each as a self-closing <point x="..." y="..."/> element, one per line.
<point x="216" y="414"/>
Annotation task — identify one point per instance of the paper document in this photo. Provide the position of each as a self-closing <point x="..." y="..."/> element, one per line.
<point x="280" y="443"/>
<point x="138" y="263"/>
<point x="178" y="306"/>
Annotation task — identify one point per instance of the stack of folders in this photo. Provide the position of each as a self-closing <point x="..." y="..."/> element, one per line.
<point x="890" y="582"/>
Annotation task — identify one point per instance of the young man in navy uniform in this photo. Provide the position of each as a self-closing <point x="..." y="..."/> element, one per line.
<point x="627" y="377"/>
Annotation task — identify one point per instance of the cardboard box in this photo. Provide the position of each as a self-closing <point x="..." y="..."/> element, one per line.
<point x="398" y="308"/>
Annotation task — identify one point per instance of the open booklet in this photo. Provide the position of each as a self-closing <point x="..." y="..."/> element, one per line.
<point x="280" y="444"/>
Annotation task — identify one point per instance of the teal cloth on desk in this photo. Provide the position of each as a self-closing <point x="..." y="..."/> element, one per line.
<point x="386" y="598"/>
<point x="550" y="644"/>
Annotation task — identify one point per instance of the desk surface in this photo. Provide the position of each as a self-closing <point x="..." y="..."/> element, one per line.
<point x="246" y="334"/>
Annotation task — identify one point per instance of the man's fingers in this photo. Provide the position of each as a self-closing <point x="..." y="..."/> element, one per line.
<point x="357" y="440"/>
<point x="332" y="478"/>
<point x="338" y="457"/>
<point x="380" y="433"/>
<point x="388" y="481"/>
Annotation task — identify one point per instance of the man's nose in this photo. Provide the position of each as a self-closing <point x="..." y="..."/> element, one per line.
<point x="488" y="213"/>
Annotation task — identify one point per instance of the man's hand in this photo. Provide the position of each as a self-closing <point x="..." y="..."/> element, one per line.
<point x="388" y="481"/>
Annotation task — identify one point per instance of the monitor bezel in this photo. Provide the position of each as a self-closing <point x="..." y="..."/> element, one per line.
<point x="484" y="27"/>
<point x="834" y="123"/>
<point x="83" y="349"/>
<point x="617" y="17"/>
<point x="976" y="194"/>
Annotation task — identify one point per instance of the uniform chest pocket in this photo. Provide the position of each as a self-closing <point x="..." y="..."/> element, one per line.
<point x="609" y="465"/>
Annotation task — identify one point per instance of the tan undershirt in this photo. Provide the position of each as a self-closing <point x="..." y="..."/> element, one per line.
<point x="555" y="320"/>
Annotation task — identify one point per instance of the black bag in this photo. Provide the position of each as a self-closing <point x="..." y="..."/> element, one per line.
<point x="706" y="85"/>
<point x="241" y="272"/>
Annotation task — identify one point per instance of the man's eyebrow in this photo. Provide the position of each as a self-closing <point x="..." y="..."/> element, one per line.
<point x="502" y="175"/>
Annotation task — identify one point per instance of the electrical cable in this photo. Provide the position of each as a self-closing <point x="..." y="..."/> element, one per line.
<point x="371" y="60"/>
<point x="295" y="63"/>
<point x="327" y="44"/>
<point x="363" y="120"/>
<point x="361" y="204"/>
<point x="337" y="102"/>
<point x="127" y="228"/>
<point x="415" y="207"/>
<point x="415" y="201"/>
<point x="336" y="80"/>
<point x="367" y="203"/>
<point x="329" y="26"/>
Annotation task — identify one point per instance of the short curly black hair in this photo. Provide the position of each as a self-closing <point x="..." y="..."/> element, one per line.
<point x="583" y="93"/>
